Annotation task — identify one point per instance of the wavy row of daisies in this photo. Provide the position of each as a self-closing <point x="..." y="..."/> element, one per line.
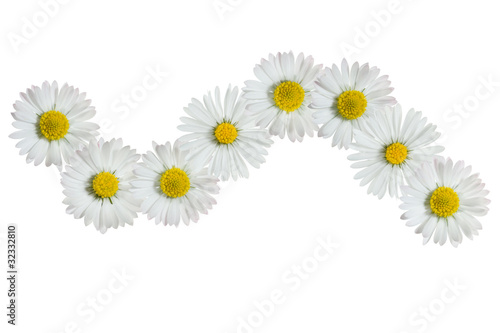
<point x="107" y="183"/>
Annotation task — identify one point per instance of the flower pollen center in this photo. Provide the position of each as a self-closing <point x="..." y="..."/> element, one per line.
<point x="105" y="185"/>
<point x="444" y="201"/>
<point x="351" y="104"/>
<point x="175" y="183"/>
<point x="396" y="153"/>
<point x="54" y="125"/>
<point x="225" y="133"/>
<point x="289" y="96"/>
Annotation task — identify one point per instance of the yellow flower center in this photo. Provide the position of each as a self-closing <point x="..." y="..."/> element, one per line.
<point x="444" y="201"/>
<point x="289" y="96"/>
<point x="396" y="153"/>
<point x="175" y="183"/>
<point x="225" y="133"/>
<point x="105" y="185"/>
<point x="54" y="125"/>
<point x="351" y="104"/>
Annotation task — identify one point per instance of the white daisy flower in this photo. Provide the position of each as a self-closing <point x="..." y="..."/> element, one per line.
<point x="97" y="184"/>
<point x="444" y="199"/>
<point x="223" y="134"/>
<point x="52" y="123"/>
<point x="280" y="99"/>
<point x="171" y="187"/>
<point x="344" y="98"/>
<point x="390" y="149"/>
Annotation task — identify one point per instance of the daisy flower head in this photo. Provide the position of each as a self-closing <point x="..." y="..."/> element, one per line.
<point x="52" y="122"/>
<point x="280" y="99"/>
<point x="345" y="97"/>
<point x="171" y="187"/>
<point x="224" y="135"/>
<point x="390" y="148"/>
<point x="97" y="184"/>
<point x="443" y="199"/>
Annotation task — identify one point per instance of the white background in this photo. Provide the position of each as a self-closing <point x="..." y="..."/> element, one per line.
<point x="205" y="277"/>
